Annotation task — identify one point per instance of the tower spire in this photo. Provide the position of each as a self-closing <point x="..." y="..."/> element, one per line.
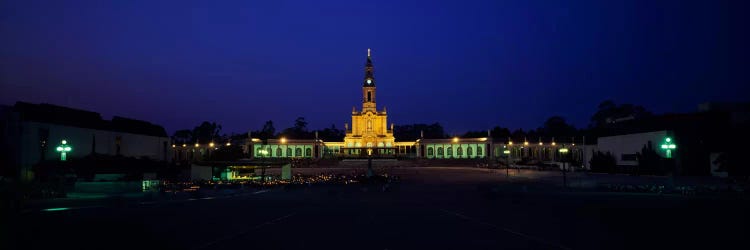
<point x="369" y="70"/>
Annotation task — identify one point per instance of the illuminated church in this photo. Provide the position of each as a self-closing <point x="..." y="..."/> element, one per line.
<point x="370" y="135"/>
<point x="369" y="126"/>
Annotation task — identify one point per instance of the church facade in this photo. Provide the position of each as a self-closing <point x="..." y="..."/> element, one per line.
<point x="370" y="135"/>
<point x="369" y="126"/>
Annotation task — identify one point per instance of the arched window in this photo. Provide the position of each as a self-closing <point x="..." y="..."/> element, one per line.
<point x="369" y="125"/>
<point x="479" y="151"/>
<point x="430" y="151"/>
<point x="380" y="144"/>
<point x="298" y="152"/>
<point x="449" y="151"/>
<point x="349" y="144"/>
<point x="459" y="151"/>
<point x="308" y="152"/>
<point x="358" y="145"/>
<point x="388" y="145"/>
<point x="369" y="96"/>
<point x="278" y="152"/>
<point x="369" y="144"/>
<point x="440" y="151"/>
<point x="468" y="151"/>
<point x="288" y="152"/>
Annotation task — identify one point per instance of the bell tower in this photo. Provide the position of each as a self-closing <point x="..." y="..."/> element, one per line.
<point x="368" y="87"/>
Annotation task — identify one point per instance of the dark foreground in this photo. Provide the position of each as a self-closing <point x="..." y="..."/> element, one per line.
<point x="428" y="209"/>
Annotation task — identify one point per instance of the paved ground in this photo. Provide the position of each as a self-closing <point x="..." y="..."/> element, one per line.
<point x="438" y="208"/>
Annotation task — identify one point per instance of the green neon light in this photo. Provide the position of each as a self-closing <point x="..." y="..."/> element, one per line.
<point x="506" y="152"/>
<point x="668" y="145"/>
<point x="64" y="148"/>
<point x="55" y="209"/>
<point x="563" y="150"/>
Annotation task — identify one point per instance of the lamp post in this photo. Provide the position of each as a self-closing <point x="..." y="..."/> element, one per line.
<point x="507" y="162"/>
<point x="64" y="148"/>
<point x="264" y="152"/>
<point x="564" y="152"/>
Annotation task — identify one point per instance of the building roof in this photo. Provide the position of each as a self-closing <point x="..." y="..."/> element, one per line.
<point x="53" y="114"/>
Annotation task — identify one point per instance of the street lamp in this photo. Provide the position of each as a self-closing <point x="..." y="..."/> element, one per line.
<point x="564" y="151"/>
<point x="64" y="148"/>
<point x="507" y="162"/>
<point x="668" y="145"/>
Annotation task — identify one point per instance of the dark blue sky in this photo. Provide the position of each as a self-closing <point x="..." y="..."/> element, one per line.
<point x="466" y="64"/>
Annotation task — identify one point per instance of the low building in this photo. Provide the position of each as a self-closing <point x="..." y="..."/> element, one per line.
<point x="32" y="133"/>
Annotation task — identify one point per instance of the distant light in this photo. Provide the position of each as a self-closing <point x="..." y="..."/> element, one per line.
<point x="510" y="143"/>
<point x="483" y="139"/>
<point x="455" y="139"/>
<point x="283" y="139"/>
<point x="64" y="142"/>
<point x="196" y="145"/>
<point x="229" y="144"/>
<point x="669" y="139"/>
<point x="573" y="144"/>
<point x="173" y="145"/>
<point x="563" y="150"/>
<point x="672" y="146"/>
<point x="506" y="152"/>
<point x="211" y="144"/>
<point x="67" y="149"/>
<point x="540" y="143"/>
<point x="526" y="143"/>
<point x="184" y="145"/>
<point x="553" y="143"/>
<point x="664" y="146"/>
<point x="55" y="209"/>
<point x="59" y="149"/>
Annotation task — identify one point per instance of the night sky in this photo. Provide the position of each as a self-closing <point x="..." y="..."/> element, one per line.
<point x="468" y="65"/>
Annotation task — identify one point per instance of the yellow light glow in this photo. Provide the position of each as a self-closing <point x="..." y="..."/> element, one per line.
<point x="553" y="143"/>
<point x="510" y="143"/>
<point x="526" y="143"/>
<point x="455" y="139"/>
<point x="283" y="139"/>
<point x="573" y="144"/>
<point x="229" y="144"/>
<point x="540" y="143"/>
<point x="184" y="145"/>
<point x="173" y="145"/>
<point x="211" y="144"/>
<point x="483" y="139"/>
<point x="196" y="145"/>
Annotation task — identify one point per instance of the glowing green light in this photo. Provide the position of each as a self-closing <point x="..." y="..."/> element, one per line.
<point x="55" y="209"/>
<point x="668" y="145"/>
<point x="563" y="150"/>
<point x="64" y="148"/>
<point x="506" y="152"/>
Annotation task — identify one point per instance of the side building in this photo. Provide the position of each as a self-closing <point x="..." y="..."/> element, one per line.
<point x="33" y="133"/>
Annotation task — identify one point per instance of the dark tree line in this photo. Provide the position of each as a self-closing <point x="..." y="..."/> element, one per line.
<point x="299" y="130"/>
